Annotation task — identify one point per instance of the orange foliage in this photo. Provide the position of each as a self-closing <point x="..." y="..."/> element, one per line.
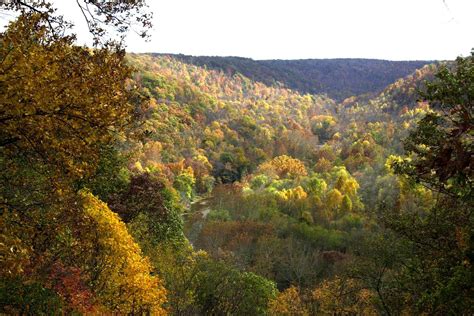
<point x="288" y="303"/>
<point x="284" y="166"/>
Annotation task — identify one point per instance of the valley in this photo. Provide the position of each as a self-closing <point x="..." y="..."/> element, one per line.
<point x="155" y="184"/>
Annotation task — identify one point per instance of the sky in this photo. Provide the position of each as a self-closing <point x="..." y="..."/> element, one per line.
<point x="298" y="29"/>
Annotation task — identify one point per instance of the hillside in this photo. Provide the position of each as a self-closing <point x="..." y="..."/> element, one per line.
<point x="144" y="184"/>
<point x="276" y="182"/>
<point x="206" y="112"/>
<point x="338" y="78"/>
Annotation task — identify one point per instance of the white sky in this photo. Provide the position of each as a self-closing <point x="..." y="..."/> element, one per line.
<point x="293" y="29"/>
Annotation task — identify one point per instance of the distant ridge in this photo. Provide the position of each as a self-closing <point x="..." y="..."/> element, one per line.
<point x="339" y="78"/>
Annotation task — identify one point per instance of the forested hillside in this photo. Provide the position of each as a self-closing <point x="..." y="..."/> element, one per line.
<point x="144" y="184"/>
<point x="338" y="78"/>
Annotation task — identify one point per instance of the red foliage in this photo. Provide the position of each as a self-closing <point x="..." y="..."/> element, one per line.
<point x="68" y="282"/>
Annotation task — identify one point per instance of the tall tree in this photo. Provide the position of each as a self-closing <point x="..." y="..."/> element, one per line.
<point x="107" y="21"/>
<point x="440" y="275"/>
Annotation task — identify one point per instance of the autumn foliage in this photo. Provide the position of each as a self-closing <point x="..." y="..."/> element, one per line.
<point x="144" y="184"/>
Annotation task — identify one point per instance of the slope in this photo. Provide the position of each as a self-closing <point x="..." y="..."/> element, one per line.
<point x="338" y="78"/>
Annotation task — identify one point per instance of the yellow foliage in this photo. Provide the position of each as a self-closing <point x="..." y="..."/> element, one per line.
<point x="288" y="303"/>
<point x="138" y="166"/>
<point x="59" y="102"/>
<point x="346" y="184"/>
<point x="393" y="160"/>
<point x="203" y="160"/>
<point x="294" y="194"/>
<point x="284" y="166"/>
<point x="318" y="119"/>
<point x="323" y="165"/>
<point x="334" y="199"/>
<point x="349" y="186"/>
<point x="152" y="151"/>
<point x="122" y="279"/>
<point x="344" y="297"/>
<point x="14" y="253"/>
<point x="188" y="171"/>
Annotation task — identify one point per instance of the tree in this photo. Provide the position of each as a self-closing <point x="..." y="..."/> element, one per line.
<point x="439" y="276"/>
<point x="55" y="133"/>
<point x="232" y="166"/>
<point x="284" y="167"/>
<point x="315" y="186"/>
<point x="288" y="302"/>
<point x="346" y="205"/>
<point x="344" y="296"/>
<point x="61" y="107"/>
<point x="224" y="290"/>
<point x="120" y="276"/>
<point x="151" y="207"/>
<point x="83" y="259"/>
<point x="184" y="183"/>
<point x="119" y="16"/>
<point x="346" y="183"/>
<point x="441" y="146"/>
<point x="322" y="165"/>
<point x="179" y="266"/>
<point x="323" y="126"/>
<point x="334" y="199"/>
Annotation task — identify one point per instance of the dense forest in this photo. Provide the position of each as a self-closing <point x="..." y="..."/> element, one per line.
<point x="337" y="78"/>
<point x="156" y="184"/>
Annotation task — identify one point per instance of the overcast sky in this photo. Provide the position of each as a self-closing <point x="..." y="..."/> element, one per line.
<point x="293" y="29"/>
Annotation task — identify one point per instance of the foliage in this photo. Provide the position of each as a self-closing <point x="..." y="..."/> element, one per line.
<point x="223" y="289"/>
<point x="111" y="175"/>
<point x="16" y="297"/>
<point x="284" y="167"/>
<point x="100" y="17"/>
<point x="338" y="78"/>
<point x="85" y="105"/>
<point x="121" y="276"/>
<point x="151" y="204"/>
<point x="273" y="188"/>
<point x="323" y="127"/>
<point x="179" y="266"/>
<point x="288" y="302"/>
<point x="184" y="183"/>
<point x="344" y="296"/>
<point x="442" y="144"/>
<point x="440" y="157"/>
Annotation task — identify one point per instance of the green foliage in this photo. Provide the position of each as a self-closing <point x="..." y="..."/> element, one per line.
<point x="259" y="182"/>
<point x="442" y="144"/>
<point x="225" y="290"/>
<point x="184" y="183"/>
<point x="151" y="206"/>
<point x="219" y="215"/>
<point x="19" y="297"/>
<point x="111" y="175"/>
<point x="440" y="150"/>
<point x="318" y="237"/>
<point x="323" y="127"/>
<point x="346" y="205"/>
<point x="315" y="185"/>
